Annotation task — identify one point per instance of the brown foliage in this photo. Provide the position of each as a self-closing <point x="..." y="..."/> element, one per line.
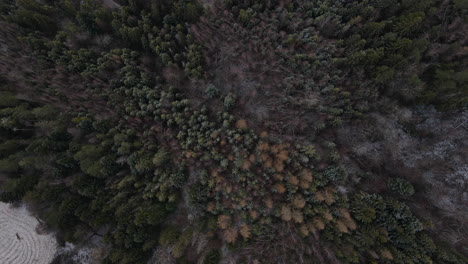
<point x="268" y="203"/>
<point x="350" y="223"/>
<point x="345" y="213"/>
<point x="245" y="231"/>
<point x="385" y="253"/>
<point x="252" y="158"/>
<point x="279" y="177"/>
<point x="279" y="188"/>
<point x="329" y="196"/>
<point x="347" y="219"/>
<point x="283" y="155"/>
<point x="211" y="207"/>
<point x="279" y="166"/>
<point x="241" y="124"/>
<point x="224" y="221"/>
<point x="246" y="165"/>
<point x="304" y="230"/>
<point x="311" y="227"/>
<point x="299" y="201"/>
<point x="318" y="223"/>
<point x="373" y="254"/>
<point x="327" y="215"/>
<point x="253" y="214"/>
<point x="263" y="147"/>
<point x="306" y="175"/>
<point x="304" y="185"/>
<point x="243" y="203"/>
<point x="286" y="213"/>
<point x="231" y="235"/>
<point x="319" y="196"/>
<point x="297" y="216"/>
<point x="293" y="180"/>
<point x="342" y="226"/>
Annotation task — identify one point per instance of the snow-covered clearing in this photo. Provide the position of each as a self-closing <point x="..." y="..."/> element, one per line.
<point x="19" y="241"/>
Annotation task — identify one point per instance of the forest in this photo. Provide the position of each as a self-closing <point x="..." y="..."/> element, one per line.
<point x="247" y="131"/>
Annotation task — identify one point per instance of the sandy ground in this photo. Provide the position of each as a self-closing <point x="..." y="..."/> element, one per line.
<point x="19" y="241"/>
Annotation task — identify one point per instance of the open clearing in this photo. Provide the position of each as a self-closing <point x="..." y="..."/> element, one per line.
<point x="19" y="241"/>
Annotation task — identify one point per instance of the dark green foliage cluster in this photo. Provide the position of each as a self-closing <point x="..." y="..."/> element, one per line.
<point x="212" y="257"/>
<point x="151" y="26"/>
<point x="395" y="48"/>
<point x="36" y="16"/>
<point x="83" y="182"/>
<point x="401" y="187"/>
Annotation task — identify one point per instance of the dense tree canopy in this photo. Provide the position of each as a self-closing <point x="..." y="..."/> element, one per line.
<point x="148" y="141"/>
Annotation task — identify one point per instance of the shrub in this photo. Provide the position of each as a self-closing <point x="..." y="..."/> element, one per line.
<point x="47" y="112"/>
<point x="229" y="101"/>
<point x="169" y="236"/>
<point x="8" y="165"/>
<point x="211" y="91"/>
<point x="7" y="100"/>
<point x="460" y="4"/>
<point x="401" y="187"/>
<point x="9" y="147"/>
<point x="182" y="243"/>
<point x="161" y="157"/>
<point x="334" y="174"/>
<point x="213" y="257"/>
<point x="15" y="189"/>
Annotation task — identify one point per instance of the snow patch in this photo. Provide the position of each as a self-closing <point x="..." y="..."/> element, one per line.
<point x="19" y="241"/>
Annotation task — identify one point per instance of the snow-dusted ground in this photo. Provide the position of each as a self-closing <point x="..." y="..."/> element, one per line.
<point x="19" y="241"/>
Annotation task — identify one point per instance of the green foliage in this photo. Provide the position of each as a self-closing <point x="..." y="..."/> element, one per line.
<point x="8" y="100"/>
<point x="6" y="6"/>
<point x="141" y="162"/>
<point x="9" y="147"/>
<point x="194" y="61"/>
<point x="409" y="24"/>
<point x="334" y="174"/>
<point x="363" y="212"/>
<point x="401" y="187"/>
<point x="212" y="257"/>
<point x="245" y="16"/>
<point x="153" y="214"/>
<point x="212" y="91"/>
<point x="91" y="15"/>
<point x="229" y="101"/>
<point x="46" y="112"/>
<point x="14" y="189"/>
<point x="9" y="165"/>
<point x="88" y="158"/>
<point x="169" y="236"/>
<point x="102" y="126"/>
<point x="448" y="89"/>
<point x="460" y="4"/>
<point x="35" y="15"/>
<point x="182" y="243"/>
<point x="161" y="157"/>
